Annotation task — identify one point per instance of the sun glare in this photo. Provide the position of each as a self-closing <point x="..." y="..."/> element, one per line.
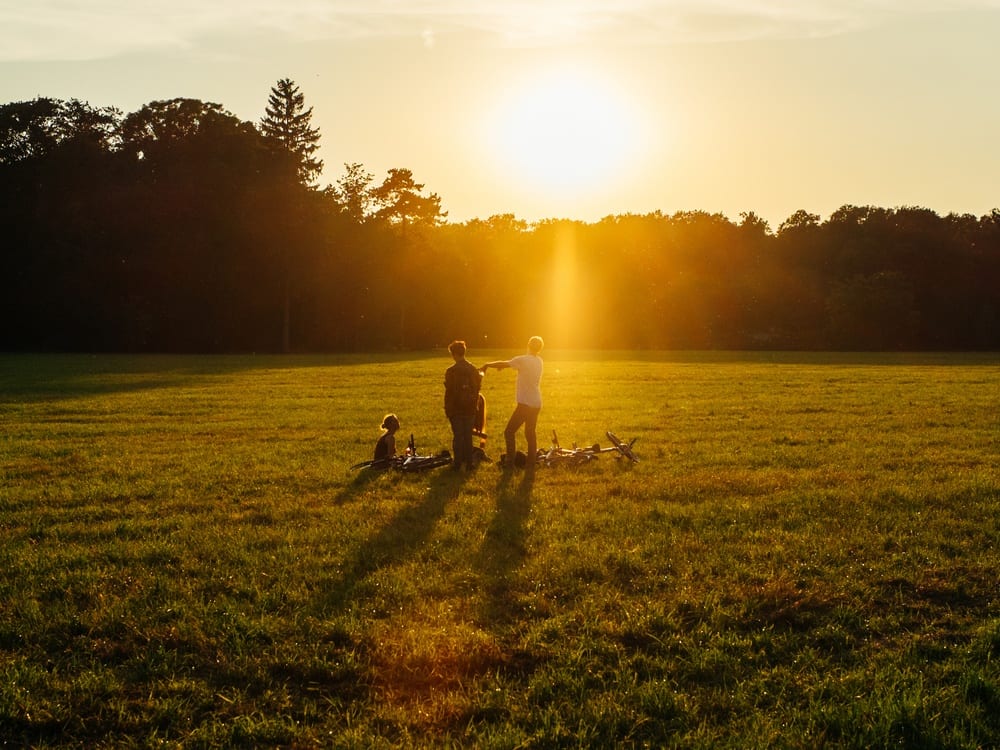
<point x="565" y="131"/>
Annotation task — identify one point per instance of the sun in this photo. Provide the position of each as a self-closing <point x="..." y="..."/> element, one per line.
<point x="566" y="130"/>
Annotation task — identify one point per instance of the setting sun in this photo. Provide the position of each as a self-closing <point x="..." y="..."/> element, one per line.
<point x="564" y="131"/>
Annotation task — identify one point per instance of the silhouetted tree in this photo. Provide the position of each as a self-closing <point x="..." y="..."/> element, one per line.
<point x="407" y="216"/>
<point x="289" y="122"/>
<point x="353" y="193"/>
<point x="57" y="188"/>
<point x="206" y="191"/>
<point x="400" y="201"/>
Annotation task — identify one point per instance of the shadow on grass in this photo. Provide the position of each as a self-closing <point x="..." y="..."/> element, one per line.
<point x="394" y="542"/>
<point x="44" y="377"/>
<point x="364" y="477"/>
<point x="505" y="546"/>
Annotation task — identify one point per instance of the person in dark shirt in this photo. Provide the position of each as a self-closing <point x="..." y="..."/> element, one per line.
<point x="461" y="401"/>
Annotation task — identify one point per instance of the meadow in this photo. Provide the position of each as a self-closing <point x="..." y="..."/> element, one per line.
<point x="806" y="556"/>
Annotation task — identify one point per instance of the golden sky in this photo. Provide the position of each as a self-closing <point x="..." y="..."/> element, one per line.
<point x="551" y="109"/>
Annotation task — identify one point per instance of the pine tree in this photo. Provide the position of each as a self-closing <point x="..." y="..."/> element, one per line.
<point x="288" y="121"/>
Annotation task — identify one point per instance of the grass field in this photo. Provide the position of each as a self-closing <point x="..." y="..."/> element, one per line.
<point x="806" y="556"/>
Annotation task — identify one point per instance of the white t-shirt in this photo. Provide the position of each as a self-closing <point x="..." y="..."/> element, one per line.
<point x="528" y="388"/>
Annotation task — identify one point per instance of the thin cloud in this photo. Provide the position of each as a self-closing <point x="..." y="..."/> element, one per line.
<point x="89" y="29"/>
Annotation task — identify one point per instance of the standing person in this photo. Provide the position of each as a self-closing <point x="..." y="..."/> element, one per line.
<point x="528" y="392"/>
<point x="461" y="401"/>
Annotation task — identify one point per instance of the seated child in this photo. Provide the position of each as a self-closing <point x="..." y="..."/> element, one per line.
<point x="385" y="448"/>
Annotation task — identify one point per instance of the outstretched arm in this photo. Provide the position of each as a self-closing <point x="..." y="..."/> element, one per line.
<point x="498" y="365"/>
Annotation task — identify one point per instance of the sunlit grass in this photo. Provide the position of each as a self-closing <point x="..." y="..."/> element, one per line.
<point x="805" y="555"/>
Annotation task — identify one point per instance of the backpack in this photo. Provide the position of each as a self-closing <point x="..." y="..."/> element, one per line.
<point x="465" y="396"/>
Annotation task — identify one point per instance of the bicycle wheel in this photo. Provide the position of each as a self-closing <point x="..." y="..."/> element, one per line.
<point x="624" y="448"/>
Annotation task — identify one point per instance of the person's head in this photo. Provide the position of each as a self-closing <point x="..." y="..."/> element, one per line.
<point x="535" y="344"/>
<point x="457" y="349"/>
<point x="390" y="423"/>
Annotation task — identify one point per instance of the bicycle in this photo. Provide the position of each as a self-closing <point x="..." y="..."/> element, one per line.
<point x="557" y="455"/>
<point x="409" y="462"/>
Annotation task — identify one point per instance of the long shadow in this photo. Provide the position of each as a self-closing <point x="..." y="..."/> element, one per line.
<point x="37" y="377"/>
<point x="357" y="485"/>
<point x="393" y="543"/>
<point x="505" y="546"/>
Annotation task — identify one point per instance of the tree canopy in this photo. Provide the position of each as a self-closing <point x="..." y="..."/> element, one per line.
<point x="180" y="227"/>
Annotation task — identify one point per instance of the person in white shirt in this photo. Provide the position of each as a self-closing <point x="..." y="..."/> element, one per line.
<point x="528" y="392"/>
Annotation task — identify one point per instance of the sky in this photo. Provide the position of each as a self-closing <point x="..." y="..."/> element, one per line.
<point x="578" y="109"/>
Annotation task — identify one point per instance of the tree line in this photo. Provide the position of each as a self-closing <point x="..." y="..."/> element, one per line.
<point x="181" y="228"/>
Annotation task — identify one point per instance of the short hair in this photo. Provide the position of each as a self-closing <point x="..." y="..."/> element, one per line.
<point x="457" y="347"/>
<point x="535" y="344"/>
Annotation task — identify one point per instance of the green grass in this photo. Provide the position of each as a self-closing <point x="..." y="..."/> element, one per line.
<point x="806" y="556"/>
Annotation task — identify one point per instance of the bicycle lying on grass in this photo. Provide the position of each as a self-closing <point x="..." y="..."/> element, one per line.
<point x="556" y="455"/>
<point x="411" y="461"/>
